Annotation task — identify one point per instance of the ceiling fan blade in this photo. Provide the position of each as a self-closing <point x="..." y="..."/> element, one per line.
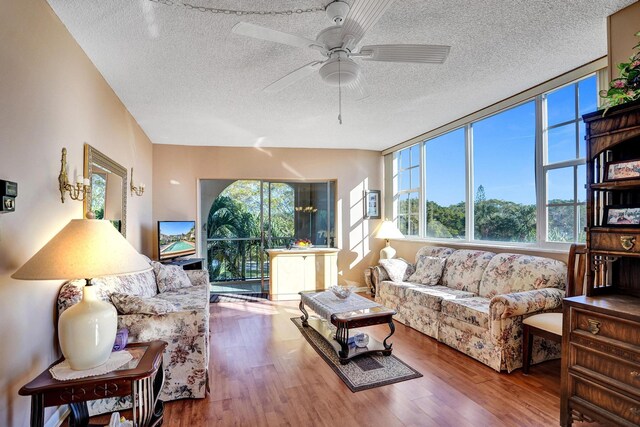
<point x="421" y="53"/>
<point x="358" y="88"/>
<point x="264" y="33"/>
<point x="363" y="15"/>
<point x="293" y="77"/>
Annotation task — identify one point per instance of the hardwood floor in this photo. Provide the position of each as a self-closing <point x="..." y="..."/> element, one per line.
<point x="264" y="373"/>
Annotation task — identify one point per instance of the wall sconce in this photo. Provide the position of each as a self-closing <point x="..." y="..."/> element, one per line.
<point x="79" y="190"/>
<point x="139" y="190"/>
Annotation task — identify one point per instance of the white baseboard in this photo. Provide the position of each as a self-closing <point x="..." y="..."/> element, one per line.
<point x="361" y="289"/>
<point x="57" y="418"/>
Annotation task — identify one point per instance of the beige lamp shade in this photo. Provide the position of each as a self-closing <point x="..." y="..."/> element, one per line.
<point x="388" y="230"/>
<point x="85" y="248"/>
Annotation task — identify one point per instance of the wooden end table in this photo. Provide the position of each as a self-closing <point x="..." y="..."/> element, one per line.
<point x="375" y="314"/>
<point x="141" y="378"/>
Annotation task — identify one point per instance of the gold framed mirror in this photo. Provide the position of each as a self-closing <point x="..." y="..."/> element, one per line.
<point x="108" y="196"/>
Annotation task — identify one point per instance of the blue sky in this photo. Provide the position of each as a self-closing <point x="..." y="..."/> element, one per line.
<point x="176" y="227"/>
<point x="504" y="151"/>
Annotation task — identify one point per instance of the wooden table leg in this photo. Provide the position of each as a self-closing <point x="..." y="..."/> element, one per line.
<point x="392" y="327"/>
<point x="305" y="315"/>
<point x="79" y="414"/>
<point x="37" y="410"/>
<point x="342" y="336"/>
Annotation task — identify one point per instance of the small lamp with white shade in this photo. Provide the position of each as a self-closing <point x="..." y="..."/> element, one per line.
<point x="85" y="248"/>
<point x="388" y="230"/>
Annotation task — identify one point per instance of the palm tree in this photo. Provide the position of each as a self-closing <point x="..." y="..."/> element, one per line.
<point x="229" y="219"/>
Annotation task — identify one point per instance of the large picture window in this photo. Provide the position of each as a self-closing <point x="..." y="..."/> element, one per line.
<point x="504" y="206"/>
<point x="516" y="176"/>
<point x="445" y="185"/>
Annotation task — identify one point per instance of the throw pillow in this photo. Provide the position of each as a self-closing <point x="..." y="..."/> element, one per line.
<point x="428" y="270"/>
<point x="397" y="269"/>
<point x="133" y="304"/>
<point x="170" y="277"/>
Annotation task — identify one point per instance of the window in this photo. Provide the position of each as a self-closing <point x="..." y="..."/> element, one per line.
<point x="564" y="170"/>
<point x="408" y="194"/>
<point x="504" y="148"/>
<point x="517" y="176"/>
<point x="445" y="186"/>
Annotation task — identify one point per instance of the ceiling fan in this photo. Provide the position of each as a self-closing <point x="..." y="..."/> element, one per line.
<point x="339" y="46"/>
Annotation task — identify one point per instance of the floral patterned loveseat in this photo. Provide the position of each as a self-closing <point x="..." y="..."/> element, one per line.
<point x="185" y="329"/>
<point x="478" y="304"/>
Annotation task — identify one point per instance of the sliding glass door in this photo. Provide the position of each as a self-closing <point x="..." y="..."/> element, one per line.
<point x="243" y="218"/>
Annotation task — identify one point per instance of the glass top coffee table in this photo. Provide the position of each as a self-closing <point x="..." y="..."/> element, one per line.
<point x="346" y="314"/>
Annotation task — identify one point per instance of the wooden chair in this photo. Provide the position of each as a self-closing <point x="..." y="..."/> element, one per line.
<point x="549" y="325"/>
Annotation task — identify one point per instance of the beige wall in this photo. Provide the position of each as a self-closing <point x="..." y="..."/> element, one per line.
<point x="51" y="96"/>
<point x="622" y="26"/>
<point x="177" y="169"/>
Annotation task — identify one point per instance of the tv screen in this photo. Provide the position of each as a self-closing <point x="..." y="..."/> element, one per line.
<point x="176" y="239"/>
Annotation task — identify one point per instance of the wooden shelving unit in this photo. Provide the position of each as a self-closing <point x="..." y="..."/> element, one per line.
<point x="601" y="331"/>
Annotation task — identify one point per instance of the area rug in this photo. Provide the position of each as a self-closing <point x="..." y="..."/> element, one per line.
<point x="363" y="372"/>
<point x="245" y="297"/>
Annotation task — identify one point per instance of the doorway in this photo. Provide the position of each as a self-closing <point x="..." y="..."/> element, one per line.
<point x="242" y="219"/>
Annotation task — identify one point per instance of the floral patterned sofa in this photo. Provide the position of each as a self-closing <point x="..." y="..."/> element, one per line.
<point x="185" y="328"/>
<point x="479" y="302"/>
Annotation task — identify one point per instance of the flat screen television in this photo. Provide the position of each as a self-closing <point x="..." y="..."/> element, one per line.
<point x="176" y="239"/>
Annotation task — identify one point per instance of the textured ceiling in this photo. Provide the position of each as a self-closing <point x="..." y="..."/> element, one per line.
<point x="188" y="80"/>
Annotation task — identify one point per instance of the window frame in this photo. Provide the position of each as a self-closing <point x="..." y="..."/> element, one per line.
<point x="541" y="168"/>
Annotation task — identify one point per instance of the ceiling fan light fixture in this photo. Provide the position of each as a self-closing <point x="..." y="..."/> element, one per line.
<point x="337" y="11"/>
<point x="337" y="71"/>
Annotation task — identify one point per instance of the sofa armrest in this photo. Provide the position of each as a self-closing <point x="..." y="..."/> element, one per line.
<point x="378" y="274"/>
<point x="526" y="302"/>
<point x="198" y="277"/>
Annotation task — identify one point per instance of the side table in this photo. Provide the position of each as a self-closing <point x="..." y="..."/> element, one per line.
<point x="141" y="378"/>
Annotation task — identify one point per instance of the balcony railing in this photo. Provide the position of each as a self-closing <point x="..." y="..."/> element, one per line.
<point x="238" y="259"/>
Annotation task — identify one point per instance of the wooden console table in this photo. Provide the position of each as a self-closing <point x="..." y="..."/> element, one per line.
<point x="295" y="270"/>
<point x="142" y="378"/>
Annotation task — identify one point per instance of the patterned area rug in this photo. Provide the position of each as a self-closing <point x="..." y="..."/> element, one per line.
<point x="363" y="372"/>
<point x="246" y="297"/>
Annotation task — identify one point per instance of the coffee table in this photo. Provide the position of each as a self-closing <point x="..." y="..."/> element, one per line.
<point x="346" y="314"/>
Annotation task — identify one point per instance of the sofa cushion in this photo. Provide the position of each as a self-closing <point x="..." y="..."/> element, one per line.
<point x="428" y="270"/>
<point x="473" y="310"/>
<point x="397" y="269"/>
<point x="508" y="273"/>
<point x="140" y="284"/>
<point x="132" y="304"/>
<point x="170" y="277"/>
<point x="185" y="299"/>
<point x="432" y="296"/>
<point x="437" y="251"/>
<point x="464" y="269"/>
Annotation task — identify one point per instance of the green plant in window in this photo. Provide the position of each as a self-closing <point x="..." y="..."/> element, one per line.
<point x="625" y="88"/>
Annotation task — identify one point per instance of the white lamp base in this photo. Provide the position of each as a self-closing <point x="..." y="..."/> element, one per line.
<point x="87" y="331"/>
<point x="387" y="252"/>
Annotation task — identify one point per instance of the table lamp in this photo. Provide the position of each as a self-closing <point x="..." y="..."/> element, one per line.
<point x="388" y="230"/>
<point x="85" y="248"/>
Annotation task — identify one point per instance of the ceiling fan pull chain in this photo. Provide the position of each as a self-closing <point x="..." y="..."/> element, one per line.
<point x="238" y="12"/>
<point x="339" y="94"/>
